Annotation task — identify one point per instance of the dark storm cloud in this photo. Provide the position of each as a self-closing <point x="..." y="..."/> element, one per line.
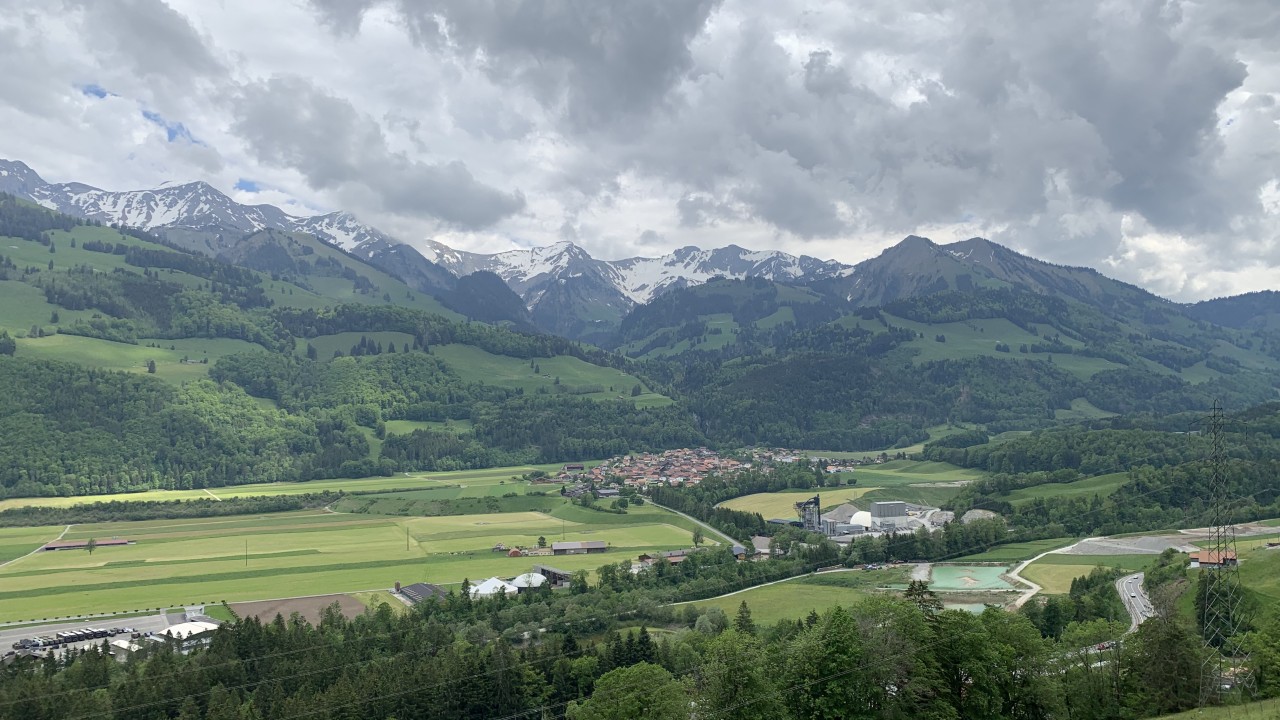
<point x="290" y="123"/>
<point x="152" y="38"/>
<point x="598" y="61"/>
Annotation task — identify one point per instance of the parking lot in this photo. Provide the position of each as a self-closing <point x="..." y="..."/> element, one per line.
<point x="143" y="624"/>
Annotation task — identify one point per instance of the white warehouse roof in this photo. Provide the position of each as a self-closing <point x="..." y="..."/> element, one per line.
<point x="529" y="580"/>
<point x="187" y="629"/>
<point x="493" y="586"/>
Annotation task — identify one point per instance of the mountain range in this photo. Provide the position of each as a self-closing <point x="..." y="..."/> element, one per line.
<point x="563" y="290"/>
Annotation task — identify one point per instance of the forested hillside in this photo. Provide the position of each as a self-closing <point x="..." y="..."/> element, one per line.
<point x="1155" y="472"/>
<point x="587" y="654"/>
<point x="339" y="369"/>
<point x="224" y="384"/>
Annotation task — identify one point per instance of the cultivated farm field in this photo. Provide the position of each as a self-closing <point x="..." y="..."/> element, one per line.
<point x="207" y="560"/>
<point x="456" y="483"/>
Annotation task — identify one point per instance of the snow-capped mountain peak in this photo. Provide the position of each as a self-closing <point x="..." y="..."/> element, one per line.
<point x="555" y="280"/>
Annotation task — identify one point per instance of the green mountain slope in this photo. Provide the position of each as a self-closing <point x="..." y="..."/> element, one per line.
<point x="224" y="382"/>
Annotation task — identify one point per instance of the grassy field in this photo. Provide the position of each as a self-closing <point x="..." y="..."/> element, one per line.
<point x="795" y="598"/>
<point x="475" y="365"/>
<point x="16" y="542"/>
<point x="782" y="504"/>
<point x="1260" y="571"/>
<point x="923" y="483"/>
<point x="176" y="360"/>
<point x="1016" y="552"/>
<point x="206" y="560"/>
<point x="464" y="483"/>
<point x="1055" y="572"/>
<point x="1101" y="485"/>
<point x="1081" y="409"/>
<point x="1264" y="710"/>
<point x="978" y="338"/>
<point x="898" y="473"/>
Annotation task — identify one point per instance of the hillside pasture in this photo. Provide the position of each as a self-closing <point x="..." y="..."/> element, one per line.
<point x="1101" y="485"/>
<point x="242" y="558"/>
<point x="978" y="338"/>
<point x="899" y="473"/>
<point x="327" y="345"/>
<point x="577" y="376"/>
<point x="177" y="360"/>
<point x="1081" y="409"/>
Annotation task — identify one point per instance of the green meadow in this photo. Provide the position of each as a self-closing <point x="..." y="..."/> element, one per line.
<point x="200" y="560"/>
<point x="475" y="365"/>
<point x="176" y="360"/>
<point x="923" y="483"/>
<point x="1101" y="485"/>
<point x="463" y="483"/>
<point x="1055" y="572"/>
<point x="1016" y="552"/>
<point x="795" y="598"/>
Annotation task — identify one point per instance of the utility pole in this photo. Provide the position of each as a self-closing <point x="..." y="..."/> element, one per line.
<point x="1226" y="668"/>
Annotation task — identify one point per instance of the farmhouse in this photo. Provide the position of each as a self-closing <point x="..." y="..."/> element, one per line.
<point x="1208" y="558"/>
<point x="578" y="548"/>
<point x="84" y="544"/>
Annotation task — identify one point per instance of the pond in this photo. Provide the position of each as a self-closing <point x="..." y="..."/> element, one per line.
<point x="969" y="577"/>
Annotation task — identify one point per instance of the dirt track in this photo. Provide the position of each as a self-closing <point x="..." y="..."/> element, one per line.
<point x="309" y="607"/>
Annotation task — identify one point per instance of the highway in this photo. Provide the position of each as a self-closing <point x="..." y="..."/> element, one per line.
<point x="1135" y="599"/>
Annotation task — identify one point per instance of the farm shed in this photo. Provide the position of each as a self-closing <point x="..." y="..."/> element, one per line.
<point x="578" y="548"/>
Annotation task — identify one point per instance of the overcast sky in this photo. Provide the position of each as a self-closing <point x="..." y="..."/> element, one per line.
<point x="1140" y="138"/>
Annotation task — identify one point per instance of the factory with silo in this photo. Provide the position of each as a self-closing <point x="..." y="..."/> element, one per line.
<point x="847" y="521"/>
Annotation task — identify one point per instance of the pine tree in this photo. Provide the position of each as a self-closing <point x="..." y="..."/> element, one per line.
<point x="743" y="622"/>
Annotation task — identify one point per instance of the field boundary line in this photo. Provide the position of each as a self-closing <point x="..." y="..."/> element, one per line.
<point x="61" y="535"/>
<point x="1034" y="588"/>
<point x="699" y="523"/>
<point x="215" y="497"/>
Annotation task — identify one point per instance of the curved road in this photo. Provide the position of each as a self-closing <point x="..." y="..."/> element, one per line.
<point x="1135" y="600"/>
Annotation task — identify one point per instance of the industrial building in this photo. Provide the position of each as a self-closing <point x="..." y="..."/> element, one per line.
<point x="889" y="516"/>
<point x="810" y="513"/>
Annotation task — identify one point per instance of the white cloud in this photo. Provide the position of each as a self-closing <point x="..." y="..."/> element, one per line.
<point x="1140" y="137"/>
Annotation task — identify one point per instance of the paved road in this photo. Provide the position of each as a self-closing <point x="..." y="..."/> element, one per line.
<point x="1135" y="599"/>
<point x="38" y="548"/>
<point x="708" y="528"/>
<point x="146" y="623"/>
